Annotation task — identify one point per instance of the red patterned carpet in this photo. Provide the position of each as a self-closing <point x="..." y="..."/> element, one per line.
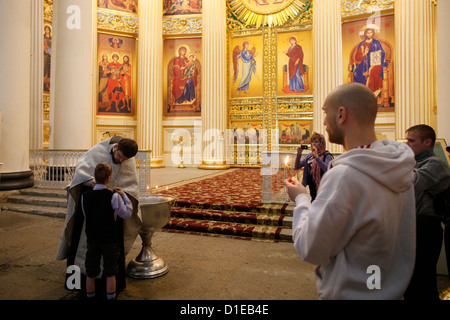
<point x="228" y="203"/>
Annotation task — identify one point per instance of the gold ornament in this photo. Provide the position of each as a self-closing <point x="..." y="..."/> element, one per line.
<point x="267" y="13"/>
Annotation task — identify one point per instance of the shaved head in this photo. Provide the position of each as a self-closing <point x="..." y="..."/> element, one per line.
<point x="350" y="109"/>
<point x="358" y="99"/>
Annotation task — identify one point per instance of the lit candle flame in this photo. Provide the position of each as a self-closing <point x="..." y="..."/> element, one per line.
<point x="286" y="163"/>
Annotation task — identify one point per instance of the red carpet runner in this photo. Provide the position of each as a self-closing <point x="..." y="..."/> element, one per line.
<point x="227" y="203"/>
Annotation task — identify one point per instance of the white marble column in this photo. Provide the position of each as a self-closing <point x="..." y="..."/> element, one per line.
<point x="37" y="74"/>
<point x="327" y="48"/>
<point x="414" y="74"/>
<point x="15" y="21"/>
<point x="214" y="98"/>
<point x="443" y="70"/>
<point x="72" y="74"/>
<point x="150" y="75"/>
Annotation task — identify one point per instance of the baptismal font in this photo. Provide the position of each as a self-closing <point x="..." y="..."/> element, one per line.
<point x="155" y="212"/>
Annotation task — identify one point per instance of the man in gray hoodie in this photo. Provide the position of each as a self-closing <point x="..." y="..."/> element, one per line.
<point x="431" y="176"/>
<point x="360" y="228"/>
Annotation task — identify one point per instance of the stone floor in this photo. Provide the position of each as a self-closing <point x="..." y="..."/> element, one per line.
<point x="200" y="268"/>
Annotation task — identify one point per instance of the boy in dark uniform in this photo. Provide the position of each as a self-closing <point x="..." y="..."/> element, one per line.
<point x="99" y="207"/>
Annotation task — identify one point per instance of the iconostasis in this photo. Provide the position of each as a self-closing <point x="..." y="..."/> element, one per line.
<point x="270" y="77"/>
<point x="270" y="71"/>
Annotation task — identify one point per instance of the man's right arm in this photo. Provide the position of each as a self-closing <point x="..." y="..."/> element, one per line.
<point x="319" y="228"/>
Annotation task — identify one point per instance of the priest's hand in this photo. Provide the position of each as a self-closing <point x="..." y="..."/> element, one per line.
<point x="294" y="188"/>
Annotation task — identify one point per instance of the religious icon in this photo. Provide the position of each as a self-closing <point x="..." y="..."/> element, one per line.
<point x="295" y="131"/>
<point x="184" y="77"/>
<point x="295" y="69"/>
<point x="115" y="75"/>
<point x="183" y="95"/>
<point x="177" y="7"/>
<point x="119" y="5"/>
<point x="245" y="59"/>
<point x="370" y="60"/>
<point x="115" y="42"/>
<point x="114" y="88"/>
<point x="47" y="55"/>
<point x="245" y="132"/>
<point x="294" y="63"/>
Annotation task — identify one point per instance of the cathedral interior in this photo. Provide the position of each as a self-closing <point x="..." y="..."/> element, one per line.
<point x="208" y="87"/>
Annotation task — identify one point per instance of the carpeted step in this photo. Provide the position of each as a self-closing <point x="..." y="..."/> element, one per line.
<point x="251" y="231"/>
<point x="228" y="203"/>
<point x="232" y="216"/>
<point x="271" y="208"/>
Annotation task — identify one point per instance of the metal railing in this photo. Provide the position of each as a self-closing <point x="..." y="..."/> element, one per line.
<point x="54" y="169"/>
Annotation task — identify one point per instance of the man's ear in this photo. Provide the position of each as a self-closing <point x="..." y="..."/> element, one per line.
<point x="342" y="115"/>
<point x="427" y="142"/>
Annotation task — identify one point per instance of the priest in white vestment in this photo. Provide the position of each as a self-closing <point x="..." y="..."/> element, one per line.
<point x="73" y="245"/>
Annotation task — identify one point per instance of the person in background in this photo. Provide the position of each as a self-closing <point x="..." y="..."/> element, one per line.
<point x="431" y="176"/>
<point x="315" y="164"/>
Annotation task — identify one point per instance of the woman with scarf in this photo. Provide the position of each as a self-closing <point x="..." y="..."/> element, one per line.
<point x="315" y="164"/>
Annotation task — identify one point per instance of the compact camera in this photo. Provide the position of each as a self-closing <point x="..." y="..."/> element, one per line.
<point x="304" y="146"/>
